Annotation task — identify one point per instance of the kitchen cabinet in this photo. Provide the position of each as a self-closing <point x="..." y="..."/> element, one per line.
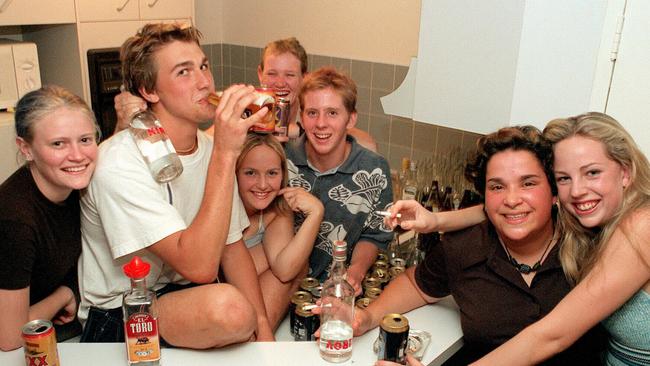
<point x="488" y="64"/>
<point x="482" y="65"/>
<point x="101" y="24"/>
<point x="19" y="12"/>
<point x="120" y="10"/>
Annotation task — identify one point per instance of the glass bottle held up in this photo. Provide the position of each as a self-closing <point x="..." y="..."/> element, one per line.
<point x="337" y="302"/>
<point x="155" y="146"/>
<point x="140" y="317"/>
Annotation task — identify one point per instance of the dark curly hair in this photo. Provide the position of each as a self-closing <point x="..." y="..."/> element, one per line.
<point x="527" y="138"/>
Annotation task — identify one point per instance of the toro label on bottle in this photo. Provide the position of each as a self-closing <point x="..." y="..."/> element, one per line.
<point x="142" y="341"/>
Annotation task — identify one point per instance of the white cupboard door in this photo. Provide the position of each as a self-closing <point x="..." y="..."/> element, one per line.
<point x="19" y="12"/>
<point x="166" y="9"/>
<point x="107" y="10"/>
<point x="629" y="98"/>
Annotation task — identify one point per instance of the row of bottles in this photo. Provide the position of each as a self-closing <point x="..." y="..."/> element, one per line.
<point x="411" y="185"/>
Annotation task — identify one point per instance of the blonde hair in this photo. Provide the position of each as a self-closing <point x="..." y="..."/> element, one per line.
<point x="288" y="45"/>
<point x="254" y="140"/>
<point x="582" y="247"/>
<point x="37" y="104"/>
<point x="329" y="77"/>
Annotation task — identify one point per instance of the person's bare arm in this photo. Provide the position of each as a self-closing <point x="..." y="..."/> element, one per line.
<point x="288" y="253"/>
<point x="196" y="252"/>
<point x="239" y="270"/>
<point x="363" y="256"/>
<point x="415" y="217"/>
<point x="363" y="138"/>
<point x="16" y="312"/>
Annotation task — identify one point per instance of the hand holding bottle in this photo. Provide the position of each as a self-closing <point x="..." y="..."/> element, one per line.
<point x="229" y="127"/>
<point x="126" y="105"/>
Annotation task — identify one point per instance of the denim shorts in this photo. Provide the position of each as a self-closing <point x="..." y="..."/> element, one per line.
<point x="107" y="325"/>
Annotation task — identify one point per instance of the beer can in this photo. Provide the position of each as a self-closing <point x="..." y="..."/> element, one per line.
<point x="393" y="338"/>
<point x="371" y="282"/>
<point x="297" y="299"/>
<point x="382" y="275"/>
<point x="363" y="302"/>
<point x="395" y="271"/>
<point x="382" y="256"/>
<point x="282" y="111"/>
<point x="307" y="324"/>
<point x="398" y="262"/>
<point x="310" y="285"/>
<point x="40" y="343"/>
<point x="372" y="292"/>
<point x="380" y="264"/>
<point x="265" y="98"/>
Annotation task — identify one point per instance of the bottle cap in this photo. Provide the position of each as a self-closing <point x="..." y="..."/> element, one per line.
<point x="136" y="268"/>
<point x="340" y="248"/>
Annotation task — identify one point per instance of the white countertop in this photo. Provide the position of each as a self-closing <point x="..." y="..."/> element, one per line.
<point x="441" y="320"/>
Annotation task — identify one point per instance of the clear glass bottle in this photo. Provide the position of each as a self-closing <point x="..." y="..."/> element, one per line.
<point x="337" y="302"/>
<point x="140" y="317"/>
<point x="156" y="148"/>
<point x="410" y="187"/>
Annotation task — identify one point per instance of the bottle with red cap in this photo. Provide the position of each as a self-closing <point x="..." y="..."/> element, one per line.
<point x="140" y="317"/>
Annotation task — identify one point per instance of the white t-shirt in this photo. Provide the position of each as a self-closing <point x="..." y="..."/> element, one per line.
<point x="124" y="211"/>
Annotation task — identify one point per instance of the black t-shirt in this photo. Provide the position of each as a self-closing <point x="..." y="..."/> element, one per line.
<point x="40" y="241"/>
<point x="494" y="300"/>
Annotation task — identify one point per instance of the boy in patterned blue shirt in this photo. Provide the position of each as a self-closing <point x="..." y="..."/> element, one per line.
<point x="351" y="181"/>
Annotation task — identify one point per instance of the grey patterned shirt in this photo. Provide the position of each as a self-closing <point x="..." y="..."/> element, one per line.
<point x="351" y="193"/>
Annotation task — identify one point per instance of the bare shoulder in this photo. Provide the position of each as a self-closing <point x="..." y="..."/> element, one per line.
<point x="636" y="229"/>
<point x="363" y="138"/>
<point x="275" y="217"/>
<point x="637" y="223"/>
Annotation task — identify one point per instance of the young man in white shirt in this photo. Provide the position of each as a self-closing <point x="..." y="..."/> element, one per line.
<point x="189" y="229"/>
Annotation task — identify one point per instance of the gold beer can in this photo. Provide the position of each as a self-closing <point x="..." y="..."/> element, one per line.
<point x="363" y="302"/>
<point x="372" y="293"/>
<point x="380" y="264"/>
<point x="393" y="272"/>
<point x="371" y="282"/>
<point x="298" y="299"/>
<point x="382" y="256"/>
<point x="40" y="343"/>
<point x="311" y="285"/>
<point x="398" y="262"/>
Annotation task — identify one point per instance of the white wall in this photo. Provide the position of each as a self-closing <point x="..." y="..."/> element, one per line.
<point x="371" y="30"/>
<point x="209" y="14"/>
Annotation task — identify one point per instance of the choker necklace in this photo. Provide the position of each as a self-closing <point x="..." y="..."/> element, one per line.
<point x="187" y="151"/>
<point x="524" y="268"/>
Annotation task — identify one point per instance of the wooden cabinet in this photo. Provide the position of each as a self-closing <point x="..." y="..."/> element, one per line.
<point x="120" y="10"/>
<point x="21" y="12"/>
